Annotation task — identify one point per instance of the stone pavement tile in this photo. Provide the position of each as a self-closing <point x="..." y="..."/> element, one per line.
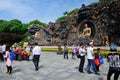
<point x="52" y="67"/>
<point x="37" y="78"/>
<point x="48" y="79"/>
<point x="63" y="75"/>
<point x="60" y="70"/>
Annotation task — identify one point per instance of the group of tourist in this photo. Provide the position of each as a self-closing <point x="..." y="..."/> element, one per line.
<point x="21" y="53"/>
<point x="81" y="51"/>
<point x="18" y="54"/>
<point x="95" y="59"/>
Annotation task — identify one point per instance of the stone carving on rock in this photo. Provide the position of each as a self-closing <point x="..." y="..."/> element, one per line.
<point x="105" y="39"/>
<point x="103" y="27"/>
<point x="86" y="32"/>
<point x="38" y="34"/>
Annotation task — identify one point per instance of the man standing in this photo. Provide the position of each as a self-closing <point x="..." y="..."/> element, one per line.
<point x="36" y="55"/>
<point x="65" y="52"/>
<point x="82" y="58"/>
<point x="90" y="56"/>
<point x="114" y="64"/>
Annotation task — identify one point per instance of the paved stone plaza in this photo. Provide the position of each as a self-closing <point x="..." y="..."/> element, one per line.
<point x="52" y="67"/>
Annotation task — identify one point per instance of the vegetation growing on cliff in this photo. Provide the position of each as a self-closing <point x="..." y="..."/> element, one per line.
<point x="15" y="31"/>
<point x="66" y="13"/>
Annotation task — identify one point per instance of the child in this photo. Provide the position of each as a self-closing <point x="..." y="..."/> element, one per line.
<point x="97" y="55"/>
<point x="9" y="62"/>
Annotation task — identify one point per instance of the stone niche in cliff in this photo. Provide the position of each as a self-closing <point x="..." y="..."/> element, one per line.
<point x="38" y="35"/>
<point x="98" y="22"/>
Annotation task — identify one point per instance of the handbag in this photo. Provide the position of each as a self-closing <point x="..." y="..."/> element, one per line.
<point x="97" y="62"/>
<point x="101" y="60"/>
<point x="78" y="55"/>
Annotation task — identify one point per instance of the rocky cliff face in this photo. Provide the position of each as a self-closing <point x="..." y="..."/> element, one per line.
<point x="102" y="20"/>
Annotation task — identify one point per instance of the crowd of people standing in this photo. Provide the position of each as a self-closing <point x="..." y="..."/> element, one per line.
<point x="19" y="54"/>
<point x="95" y="59"/>
<point x="82" y="51"/>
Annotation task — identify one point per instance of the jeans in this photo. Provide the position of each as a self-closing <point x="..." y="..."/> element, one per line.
<point x="36" y="61"/>
<point x="91" y="62"/>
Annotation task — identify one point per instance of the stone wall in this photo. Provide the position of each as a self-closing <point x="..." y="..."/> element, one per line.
<point x="102" y="19"/>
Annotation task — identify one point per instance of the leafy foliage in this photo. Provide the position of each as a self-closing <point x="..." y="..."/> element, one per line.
<point x="24" y="40"/>
<point x="14" y="31"/>
<point x="101" y="0"/>
<point x="15" y="26"/>
<point x="3" y="25"/>
<point x="61" y="18"/>
<point x="10" y="31"/>
<point x="70" y="12"/>
<point x="24" y="28"/>
<point x="108" y="0"/>
<point x="66" y="13"/>
<point x="37" y="22"/>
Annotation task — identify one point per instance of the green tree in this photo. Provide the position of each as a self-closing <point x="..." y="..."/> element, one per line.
<point x="101" y="0"/>
<point x="15" y="26"/>
<point x="37" y="22"/>
<point x="3" y="26"/>
<point x="24" y="28"/>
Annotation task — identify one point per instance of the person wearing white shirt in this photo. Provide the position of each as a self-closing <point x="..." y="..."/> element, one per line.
<point x="1" y="53"/>
<point x="36" y="55"/>
<point x="90" y="57"/>
<point x="3" y="48"/>
<point x="82" y="58"/>
<point x="28" y="52"/>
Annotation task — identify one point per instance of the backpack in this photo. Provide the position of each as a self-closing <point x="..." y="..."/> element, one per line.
<point x="77" y="53"/>
<point x="101" y="60"/>
<point x="12" y="56"/>
<point x="76" y="50"/>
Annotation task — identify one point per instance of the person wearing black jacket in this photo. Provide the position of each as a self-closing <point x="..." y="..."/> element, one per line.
<point x="97" y="55"/>
<point x="114" y="64"/>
